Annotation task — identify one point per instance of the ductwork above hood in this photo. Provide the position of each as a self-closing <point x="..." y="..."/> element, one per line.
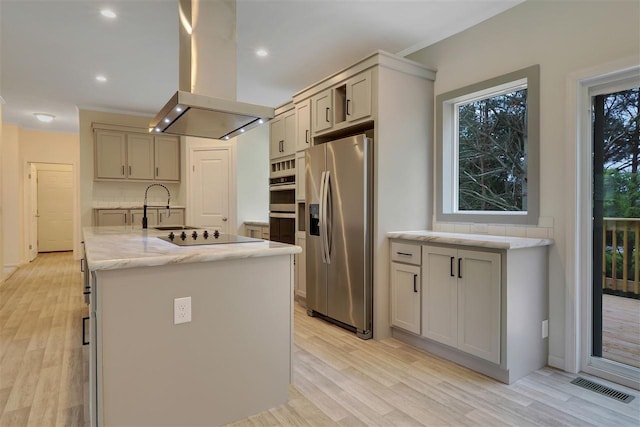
<point x="205" y="105"/>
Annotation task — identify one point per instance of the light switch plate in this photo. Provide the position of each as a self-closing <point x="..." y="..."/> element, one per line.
<point x="181" y="310"/>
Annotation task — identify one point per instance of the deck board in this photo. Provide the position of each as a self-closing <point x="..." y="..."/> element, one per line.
<point x="621" y="329"/>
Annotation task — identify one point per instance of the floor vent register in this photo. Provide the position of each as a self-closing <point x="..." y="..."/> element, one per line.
<point x="599" y="388"/>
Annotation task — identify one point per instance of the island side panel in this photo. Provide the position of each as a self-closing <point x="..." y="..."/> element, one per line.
<point x="232" y="360"/>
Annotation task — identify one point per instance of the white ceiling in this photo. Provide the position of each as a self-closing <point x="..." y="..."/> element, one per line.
<point x="51" y="50"/>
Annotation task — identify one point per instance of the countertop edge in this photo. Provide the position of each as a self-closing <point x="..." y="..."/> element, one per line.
<point x="119" y="264"/>
<point x="478" y="240"/>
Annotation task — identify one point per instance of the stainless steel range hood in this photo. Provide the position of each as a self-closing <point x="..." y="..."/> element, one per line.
<point x="190" y="114"/>
<point x="205" y="105"/>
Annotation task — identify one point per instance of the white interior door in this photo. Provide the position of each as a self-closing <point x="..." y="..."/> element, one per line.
<point x="33" y="214"/>
<point x="209" y="192"/>
<point x="55" y="210"/>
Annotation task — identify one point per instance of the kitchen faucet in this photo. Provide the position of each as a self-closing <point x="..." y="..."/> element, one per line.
<point x="144" y="213"/>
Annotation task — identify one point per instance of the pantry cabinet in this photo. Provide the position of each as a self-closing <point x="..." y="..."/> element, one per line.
<point x="132" y="154"/>
<point x="282" y="136"/>
<point x="461" y="299"/>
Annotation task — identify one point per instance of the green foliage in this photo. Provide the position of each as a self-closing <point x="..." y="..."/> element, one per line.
<point x="622" y="194"/>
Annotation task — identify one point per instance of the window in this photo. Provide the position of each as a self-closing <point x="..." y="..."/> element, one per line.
<point x="487" y="152"/>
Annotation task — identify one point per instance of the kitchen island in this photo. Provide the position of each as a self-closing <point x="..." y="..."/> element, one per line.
<point x="230" y="360"/>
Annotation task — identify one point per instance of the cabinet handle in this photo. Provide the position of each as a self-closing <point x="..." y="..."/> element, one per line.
<point x="404" y="254"/>
<point x="281" y="148"/>
<point x="460" y="268"/>
<point x="415" y="283"/>
<point x="84" y="330"/>
<point x="348" y="103"/>
<point x="82" y="266"/>
<point x="122" y="170"/>
<point x="326" y="114"/>
<point x="451" y="266"/>
<point x="129" y="170"/>
<point x="125" y="219"/>
<point x="157" y="171"/>
<point x="306" y="136"/>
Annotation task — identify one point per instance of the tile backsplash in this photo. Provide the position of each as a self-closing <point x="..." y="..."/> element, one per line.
<point x="544" y="230"/>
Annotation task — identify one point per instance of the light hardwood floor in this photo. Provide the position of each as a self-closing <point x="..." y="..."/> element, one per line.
<point x="339" y="380"/>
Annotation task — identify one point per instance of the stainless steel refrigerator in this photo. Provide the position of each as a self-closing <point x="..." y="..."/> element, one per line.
<point x="338" y="228"/>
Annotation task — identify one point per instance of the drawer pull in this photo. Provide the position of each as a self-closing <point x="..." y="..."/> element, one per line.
<point x="451" y="267"/>
<point x="404" y="254"/>
<point x="460" y="268"/>
<point x="415" y="283"/>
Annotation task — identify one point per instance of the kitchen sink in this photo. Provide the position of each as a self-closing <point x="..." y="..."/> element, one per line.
<point x="175" y="227"/>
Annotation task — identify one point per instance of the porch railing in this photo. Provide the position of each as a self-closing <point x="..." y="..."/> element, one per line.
<point x="620" y="257"/>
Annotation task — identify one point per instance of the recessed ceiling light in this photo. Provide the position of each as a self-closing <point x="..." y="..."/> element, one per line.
<point x="108" y="13"/>
<point x="101" y="78"/>
<point x="44" y="117"/>
<point x="262" y="53"/>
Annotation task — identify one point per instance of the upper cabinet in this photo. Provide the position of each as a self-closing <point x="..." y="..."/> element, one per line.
<point x="110" y="154"/>
<point x="303" y="125"/>
<point x="282" y="135"/>
<point x="345" y="104"/>
<point x="167" y="156"/>
<point x="140" y="156"/>
<point x="132" y="154"/>
<point x="322" y="106"/>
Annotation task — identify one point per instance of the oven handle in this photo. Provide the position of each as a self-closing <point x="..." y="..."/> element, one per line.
<point x="282" y="187"/>
<point x="282" y="215"/>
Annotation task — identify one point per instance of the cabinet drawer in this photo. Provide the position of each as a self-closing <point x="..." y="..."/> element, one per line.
<point x="406" y="252"/>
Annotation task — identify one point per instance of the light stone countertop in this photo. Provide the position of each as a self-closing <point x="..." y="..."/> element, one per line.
<point x="112" y="248"/>
<point x="129" y="205"/>
<point x="257" y="223"/>
<point x="477" y="240"/>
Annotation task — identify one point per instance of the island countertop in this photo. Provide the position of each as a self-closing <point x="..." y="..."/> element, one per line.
<point x="478" y="240"/>
<point x="111" y="248"/>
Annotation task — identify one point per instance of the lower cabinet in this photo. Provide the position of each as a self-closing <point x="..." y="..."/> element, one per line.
<point x="300" y="267"/>
<point x="485" y="309"/>
<point x="257" y="231"/>
<point x="461" y="300"/>
<point x="405" y="296"/>
<point x="133" y="217"/>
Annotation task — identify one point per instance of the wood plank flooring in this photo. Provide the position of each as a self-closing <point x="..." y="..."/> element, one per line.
<point x="41" y="353"/>
<point x="621" y="329"/>
<point x="339" y="380"/>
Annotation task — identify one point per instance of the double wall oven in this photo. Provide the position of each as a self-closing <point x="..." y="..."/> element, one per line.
<point x="282" y="208"/>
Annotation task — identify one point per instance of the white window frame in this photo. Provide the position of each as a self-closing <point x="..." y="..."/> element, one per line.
<point x="447" y="148"/>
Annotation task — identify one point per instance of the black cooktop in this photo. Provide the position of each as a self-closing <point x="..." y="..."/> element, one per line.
<point x="204" y="237"/>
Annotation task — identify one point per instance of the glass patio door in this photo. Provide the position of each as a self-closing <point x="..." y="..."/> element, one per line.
<point x="616" y="226"/>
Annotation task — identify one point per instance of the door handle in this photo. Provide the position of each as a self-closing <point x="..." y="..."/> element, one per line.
<point x="224" y="218"/>
<point x="84" y="330"/>
<point x="415" y="283"/>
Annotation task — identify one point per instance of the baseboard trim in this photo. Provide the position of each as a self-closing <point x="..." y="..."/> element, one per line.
<point x="556" y="362"/>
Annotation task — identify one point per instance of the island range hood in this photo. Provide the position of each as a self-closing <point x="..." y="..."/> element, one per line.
<point x="206" y="106"/>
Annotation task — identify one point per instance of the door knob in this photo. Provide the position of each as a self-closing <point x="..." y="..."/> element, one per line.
<point x="224" y="218"/>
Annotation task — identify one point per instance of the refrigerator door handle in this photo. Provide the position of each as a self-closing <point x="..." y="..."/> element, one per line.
<point x="321" y="222"/>
<point x="327" y="216"/>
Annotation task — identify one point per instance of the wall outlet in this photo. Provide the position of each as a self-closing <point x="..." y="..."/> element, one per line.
<point x="181" y="310"/>
<point x="545" y="328"/>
